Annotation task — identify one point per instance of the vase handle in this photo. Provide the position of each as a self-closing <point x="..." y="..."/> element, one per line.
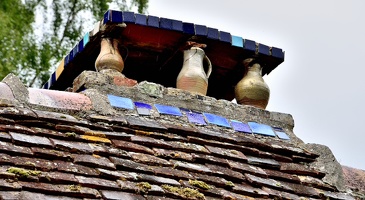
<point x="209" y="65"/>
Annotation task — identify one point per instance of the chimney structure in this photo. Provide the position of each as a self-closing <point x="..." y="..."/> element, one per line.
<point x="141" y="108"/>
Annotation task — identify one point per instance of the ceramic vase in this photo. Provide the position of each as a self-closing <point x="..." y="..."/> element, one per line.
<point x="252" y="89"/>
<point x="193" y="77"/>
<point x="109" y="56"/>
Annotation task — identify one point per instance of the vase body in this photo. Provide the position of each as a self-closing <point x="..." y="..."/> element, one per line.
<point x="252" y="89"/>
<point x="109" y="56"/>
<point x="193" y="76"/>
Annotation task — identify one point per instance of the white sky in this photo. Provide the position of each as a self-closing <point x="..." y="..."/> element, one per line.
<point x="321" y="82"/>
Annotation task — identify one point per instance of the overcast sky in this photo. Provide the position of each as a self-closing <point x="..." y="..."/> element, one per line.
<point x="321" y="82"/>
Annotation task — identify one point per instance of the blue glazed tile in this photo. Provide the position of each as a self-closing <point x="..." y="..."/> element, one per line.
<point x="141" y="19"/>
<point x="168" y="110"/>
<point x="213" y="33"/>
<point x="277" y="53"/>
<point x="177" y="25"/>
<point x="86" y="39"/>
<point x="107" y="16"/>
<point x="263" y="49"/>
<point x="196" y="118"/>
<point x="201" y="30"/>
<point x="75" y="50"/>
<point x="116" y="16"/>
<point x="143" y="111"/>
<point x="250" y="45"/>
<point x="128" y="17"/>
<point x="153" y="21"/>
<point x="261" y="129"/>
<point x="237" y="41"/>
<point x="45" y="86"/>
<point x="53" y="77"/>
<point x="282" y="135"/>
<point x="225" y="37"/>
<point x="67" y="60"/>
<point x="189" y="28"/>
<point x="71" y="56"/>
<point x="120" y="102"/>
<point x="142" y="105"/>
<point x="165" y="23"/>
<point x="80" y="46"/>
<point x="240" y="127"/>
<point x="217" y="120"/>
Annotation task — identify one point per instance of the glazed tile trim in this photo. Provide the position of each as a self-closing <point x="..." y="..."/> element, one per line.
<point x="114" y="16"/>
<point x="143" y="109"/>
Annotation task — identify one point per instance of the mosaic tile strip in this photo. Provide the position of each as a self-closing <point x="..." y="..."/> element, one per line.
<point x="196" y="118"/>
<point x="120" y="102"/>
<point x="261" y="129"/>
<point x="217" y="120"/>
<point x="142" y="105"/>
<point x="168" y="110"/>
<point x="143" y="111"/>
<point x="240" y="127"/>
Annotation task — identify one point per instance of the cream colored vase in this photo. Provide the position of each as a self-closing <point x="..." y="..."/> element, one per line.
<point x="252" y="89"/>
<point x="192" y="76"/>
<point x="109" y="57"/>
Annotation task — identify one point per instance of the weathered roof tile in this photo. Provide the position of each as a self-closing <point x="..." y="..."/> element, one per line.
<point x="30" y="140"/>
<point x="299" y="169"/>
<point x="190" y="166"/>
<point x="144" y="124"/>
<point x="75" y="168"/>
<point x="97" y="183"/>
<point x="131" y="165"/>
<point x="282" y="176"/>
<point x="231" y="153"/>
<point x="265" y="162"/>
<point x="245" y="168"/>
<point x="50" y="153"/>
<point x="117" y="174"/>
<point x="149" y="159"/>
<point x="165" y="153"/>
<point x="172" y="173"/>
<point x="188" y="147"/>
<point x="246" y="189"/>
<point x="93" y="161"/>
<point x="150" y="141"/>
<point x="6" y="184"/>
<point x="14" y="149"/>
<point x="59" y="177"/>
<point x="115" y="195"/>
<point x="130" y="146"/>
<point x="67" y="190"/>
<point x="157" y="180"/>
<point x="72" y="146"/>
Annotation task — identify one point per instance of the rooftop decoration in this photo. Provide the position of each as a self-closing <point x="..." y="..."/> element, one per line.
<point x="156" y="49"/>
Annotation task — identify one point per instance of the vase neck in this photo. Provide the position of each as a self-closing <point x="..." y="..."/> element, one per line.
<point x="255" y="69"/>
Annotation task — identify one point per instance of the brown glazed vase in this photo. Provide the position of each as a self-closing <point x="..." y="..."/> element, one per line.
<point x="109" y="56"/>
<point x="192" y="76"/>
<point x="252" y="89"/>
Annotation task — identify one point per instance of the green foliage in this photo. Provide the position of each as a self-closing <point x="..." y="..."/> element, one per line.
<point x="32" y="50"/>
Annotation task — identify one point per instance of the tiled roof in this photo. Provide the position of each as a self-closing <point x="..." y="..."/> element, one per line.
<point x="60" y="145"/>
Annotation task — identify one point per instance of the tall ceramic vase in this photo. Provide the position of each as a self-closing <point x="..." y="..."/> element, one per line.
<point x="252" y="89"/>
<point x="192" y="76"/>
<point x="109" y="56"/>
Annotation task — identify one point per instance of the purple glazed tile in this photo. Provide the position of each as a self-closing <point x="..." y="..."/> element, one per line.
<point x="282" y="135"/>
<point x="240" y="127"/>
<point x="168" y="110"/>
<point x="217" y="120"/>
<point x="261" y="129"/>
<point x="196" y="118"/>
<point x="142" y="105"/>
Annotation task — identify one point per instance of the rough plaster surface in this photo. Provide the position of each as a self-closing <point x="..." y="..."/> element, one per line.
<point x="19" y="90"/>
<point x="328" y="164"/>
